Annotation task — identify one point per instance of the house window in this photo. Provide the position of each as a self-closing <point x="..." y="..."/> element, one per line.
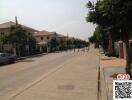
<point x="2" y="33"/>
<point x="29" y="34"/>
<point x="42" y="38"/>
<point x="47" y="38"/>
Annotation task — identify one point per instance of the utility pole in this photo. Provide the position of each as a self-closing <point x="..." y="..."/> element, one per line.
<point x="67" y="41"/>
<point x="15" y="45"/>
<point x="16" y="20"/>
<point x="74" y="43"/>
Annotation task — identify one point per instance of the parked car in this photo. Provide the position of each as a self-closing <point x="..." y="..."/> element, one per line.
<point x="7" y="58"/>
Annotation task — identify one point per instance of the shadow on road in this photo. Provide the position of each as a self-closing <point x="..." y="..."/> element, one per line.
<point x="33" y="56"/>
<point x="108" y="58"/>
<point x="25" y="60"/>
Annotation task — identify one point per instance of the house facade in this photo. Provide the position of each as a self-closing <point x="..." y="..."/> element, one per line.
<point x="5" y="29"/>
<point x="42" y="39"/>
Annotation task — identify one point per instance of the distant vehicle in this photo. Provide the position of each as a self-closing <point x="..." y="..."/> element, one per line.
<point x="7" y="58"/>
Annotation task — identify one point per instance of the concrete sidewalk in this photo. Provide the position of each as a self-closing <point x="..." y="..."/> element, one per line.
<point x="109" y="66"/>
<point x="75" y="80"/>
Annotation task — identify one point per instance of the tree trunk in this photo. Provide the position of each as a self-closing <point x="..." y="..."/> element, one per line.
<point x="128" y="58"/>
<point x="110" y="47"/>
<point x="18" y="50"/>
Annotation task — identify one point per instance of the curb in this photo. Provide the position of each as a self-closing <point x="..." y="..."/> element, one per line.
<point x="22" y="58"/>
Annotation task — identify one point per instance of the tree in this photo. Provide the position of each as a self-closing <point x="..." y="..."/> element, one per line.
<point x="79" y="43"/>
<point x="62" y="44"/>
<point x="19" y="39"/>
<point x="31" y="42"/>
<point x="100" y="37"/>
<point x="69" y="43"/>
<point x="122" y="9"/>
<point x="53" y="44"/>
<point x="100" y="14"/>
<point x="92" y="39"/>
<point x="115" y="17"/>
<point x="2" y="41"/>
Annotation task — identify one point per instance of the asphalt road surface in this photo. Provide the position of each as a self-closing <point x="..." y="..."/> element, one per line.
<point x="24" y="72"/>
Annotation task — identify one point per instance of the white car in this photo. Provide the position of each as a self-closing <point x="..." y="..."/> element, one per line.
<point x="7" y="58"/>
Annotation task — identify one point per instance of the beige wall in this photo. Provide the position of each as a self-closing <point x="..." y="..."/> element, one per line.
<point x="7" y="31"/>
<point x="46" y="38"/>
<point x="30" y="31"/>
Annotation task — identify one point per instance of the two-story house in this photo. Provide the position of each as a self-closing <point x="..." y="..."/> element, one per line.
<point x="5" y="29"/>
<point x="43" y="37"/>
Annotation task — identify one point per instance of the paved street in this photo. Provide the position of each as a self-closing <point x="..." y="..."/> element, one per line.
<point x="24" y="72"/>
<point x="67" y="75"/>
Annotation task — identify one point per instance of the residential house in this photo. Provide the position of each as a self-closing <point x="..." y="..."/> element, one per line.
<point x="5" y="29"/>
<point x="43" y="37"/>
<point x="61" y="37"/>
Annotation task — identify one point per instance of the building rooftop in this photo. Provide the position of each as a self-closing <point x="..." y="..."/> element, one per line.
<point x="44" y="33"/>
<point x="10" y="23"/>
<point x="61" y="36"/>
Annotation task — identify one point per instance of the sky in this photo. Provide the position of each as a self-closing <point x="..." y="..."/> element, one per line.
<point x="61" y="16"/>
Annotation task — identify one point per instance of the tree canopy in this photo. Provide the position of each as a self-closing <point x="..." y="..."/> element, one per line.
<point x="113" y="15"/>
<point x="115" y="18"/>
<point x="20" y="38"/>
